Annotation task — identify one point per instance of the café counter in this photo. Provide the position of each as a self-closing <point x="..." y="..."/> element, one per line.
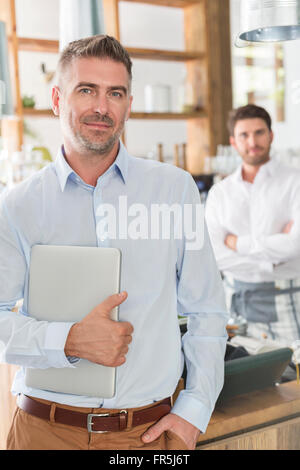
<point x="266" y="419"/>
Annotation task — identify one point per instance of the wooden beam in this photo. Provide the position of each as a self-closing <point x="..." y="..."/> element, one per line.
<point x="134" y="115"/>
<point x="111" y="18"/>
<point x="156" y="54"/>
<point x="12" y="133"/>
<point x="46" y="45"/>
<point x="279" y="80"/>
<point x="207" y="30"/>
<point x="32" y="112"/>
<point x="167" y="3"/>
<point x="219" y="70"/>
<point x="38" y="45"/>
<point x="8" y="15"/>
<point x="7" y="400"/>
<point x="198" y="130"/>
<point x="171" y="116"/>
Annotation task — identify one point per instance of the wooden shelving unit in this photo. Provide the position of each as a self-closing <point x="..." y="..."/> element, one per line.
<point x="207" y="57"/>
<point x="46" y="45"/>
<point x="168" y="3"/>
<point x="34" y="112"/>
<point x="37" y="45"/>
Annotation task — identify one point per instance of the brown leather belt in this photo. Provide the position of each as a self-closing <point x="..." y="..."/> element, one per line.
<point x="95" y="422"/>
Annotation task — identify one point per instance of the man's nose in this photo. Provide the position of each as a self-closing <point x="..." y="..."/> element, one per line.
<point x="101" y="104"/>
<point x="252" y="140"/>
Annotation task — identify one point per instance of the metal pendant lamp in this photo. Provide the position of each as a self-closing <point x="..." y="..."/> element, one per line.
<point x="268" y="21"/>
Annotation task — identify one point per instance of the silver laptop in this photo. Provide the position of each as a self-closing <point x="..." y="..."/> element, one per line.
<point x="65" y="284"/>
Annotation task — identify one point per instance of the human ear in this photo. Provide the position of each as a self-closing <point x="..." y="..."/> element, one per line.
<point x="55" y="100"/>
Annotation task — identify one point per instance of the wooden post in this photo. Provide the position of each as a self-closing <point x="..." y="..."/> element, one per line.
<point x="111" y="15"/>
<point x="219" y="69"/>
<point x="160" y="152"/>
<point x="207" y="26"/>
<point x="176" y="155"/>
<point x="11" y="131"/>
<point x="280" y="108"/>
<point x="7" y="401"/>
<point x="8" y="15"/>
<point x="184" y="166"/>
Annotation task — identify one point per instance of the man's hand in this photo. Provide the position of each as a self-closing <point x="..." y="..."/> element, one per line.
<point x="231" y="241"/>
<point x="287" y="228"/>
<point x="99" y="339"/>
<point x="185" y="430"/>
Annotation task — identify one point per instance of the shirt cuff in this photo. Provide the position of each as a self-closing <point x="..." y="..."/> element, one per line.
<point x="243" y="245"/>
<point x="192" y="410"/>
<point x="55" y="340"/>
<point x="266" y="266"/>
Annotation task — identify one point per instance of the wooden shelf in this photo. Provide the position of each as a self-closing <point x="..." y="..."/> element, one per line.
<point x="38" y="45"/>
<point x="172" y="116"/>
<point x="47" y="45"/>
<point x="206" y="58"/>
<point x="38" y="112"/>
<point x="156" y="54"/>
<point x="167" y="3"/>
<point x="32" y="112"/>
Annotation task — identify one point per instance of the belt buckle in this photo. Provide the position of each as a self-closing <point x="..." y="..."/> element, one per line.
<point x="90" y="422"/>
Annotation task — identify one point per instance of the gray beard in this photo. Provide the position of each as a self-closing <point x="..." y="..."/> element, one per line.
<point x="94" y="148"/>
<point x="98" y="148"/>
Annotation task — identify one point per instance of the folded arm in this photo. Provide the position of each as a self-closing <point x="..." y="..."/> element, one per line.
<point x="231" y="255"/>
<point x="276" y="248"/>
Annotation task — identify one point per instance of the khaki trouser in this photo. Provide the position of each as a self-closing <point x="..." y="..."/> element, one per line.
<point x="28" y="432"/>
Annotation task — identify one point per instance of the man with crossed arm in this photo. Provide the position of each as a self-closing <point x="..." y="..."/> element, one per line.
<point x="253" y="218"/>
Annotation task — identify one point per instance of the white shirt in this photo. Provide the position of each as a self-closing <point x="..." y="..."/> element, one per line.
<point x="257" y="214"/>
<point x="162" y="279"/>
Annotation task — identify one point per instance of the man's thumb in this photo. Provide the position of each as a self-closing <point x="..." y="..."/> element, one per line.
<point x="111" y="302"/>
<point x="154" y="431"/>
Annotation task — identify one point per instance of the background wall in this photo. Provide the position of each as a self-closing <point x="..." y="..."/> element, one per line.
<point x="141" y="26"/>
<point x="286" y="133"/>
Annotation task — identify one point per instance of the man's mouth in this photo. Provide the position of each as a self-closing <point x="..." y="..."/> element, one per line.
<point x="255" y="150"/>
<point x="98" y="125"/>
<point x="98" y="122"/>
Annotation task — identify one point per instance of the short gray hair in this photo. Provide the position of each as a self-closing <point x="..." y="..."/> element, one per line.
<point x="99" y="46"/>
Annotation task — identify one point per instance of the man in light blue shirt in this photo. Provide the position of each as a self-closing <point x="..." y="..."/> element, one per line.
<point x="161" y="276"/>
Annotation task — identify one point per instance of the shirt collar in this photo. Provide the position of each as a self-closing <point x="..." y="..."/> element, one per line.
<point x="64" y="170"/>
<point x="237" y="174"/>
<point x="121" y="162"/>
<point x="268" y="168"/>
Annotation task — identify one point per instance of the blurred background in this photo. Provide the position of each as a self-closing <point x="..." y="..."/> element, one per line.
<point x="187" y="74"/>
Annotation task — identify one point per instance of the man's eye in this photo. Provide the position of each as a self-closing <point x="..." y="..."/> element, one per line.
<point x="85" y="91"/>
<point x="116" y="94"/>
